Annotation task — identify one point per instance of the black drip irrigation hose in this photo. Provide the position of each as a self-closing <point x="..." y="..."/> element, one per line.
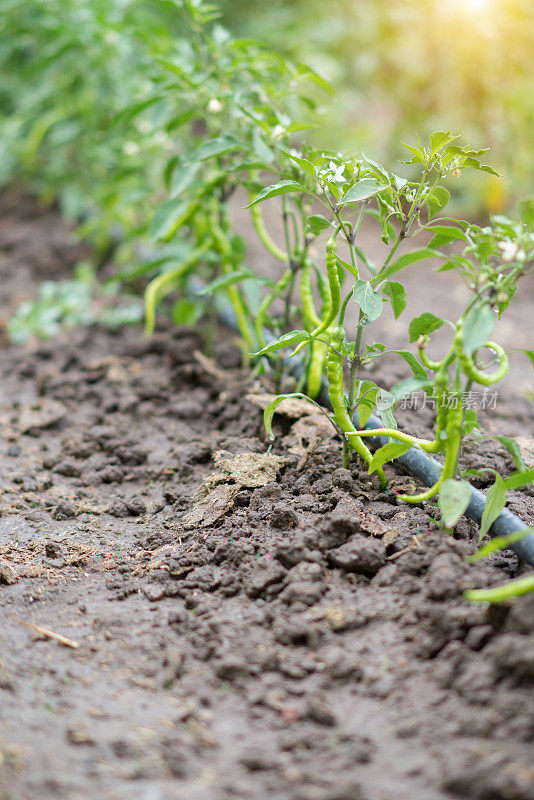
<point x="415" y="462"/>
<point x="427" y="470"/>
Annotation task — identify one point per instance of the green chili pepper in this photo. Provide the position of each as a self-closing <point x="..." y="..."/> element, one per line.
<point x="223" y="245"/>
<point x="319" y="347"/>
<point x="441" y="384"/>
<point x="318" y="355"/>
<point x="310" y="317"/>
<point x="422" y="343"/>
<point x="425" y="444"/>
<point x="455" y="417"/>
<point x="264" y="236"/>
<point x="334" y="372"/>
<point x="335" y="292"/>
<point x="324" y="291"/>
<point x="467" y="361"/>
<point x="479" y="376"/>
<point x="334" y="286"/>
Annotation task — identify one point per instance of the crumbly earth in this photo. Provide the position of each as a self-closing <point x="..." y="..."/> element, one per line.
<point x="240" y="623"/>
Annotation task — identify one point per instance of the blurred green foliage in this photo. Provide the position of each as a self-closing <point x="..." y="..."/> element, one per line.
<point x="69" y="67"/>
<point x="415" y="65"/>
<point x="80" y="300"/>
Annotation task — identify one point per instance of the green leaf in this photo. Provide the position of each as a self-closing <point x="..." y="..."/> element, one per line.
<point x="176" y="70"/>
<point x="502" y="305"/>
<point x="470" y="421"/>
<point x="530" y="354"/>
<point x="313" y="76"/>
<point x="444" y="234"/>
<point x="282" y="187"/>
<point x="408" y="259"/>
<point x="423" y="325"/>
<point x="270" y="410"/>
<point x="478" y="326"/>
<point x="454" y="497"/>
<point x="526" y="207"/>
<point x="458" y="150"/>
<point x="182" y="178"/>
<point x="474" y="163"/>
<point x="388" y="419"/>
<point x="410" y="359"/>
<point x="317" y="223"/>
<point x="362" y="190"/>
<point x="397" y="294"/>
<point x="519" y="479"/>
<point x="366" y="401"/>
<point x="387" y="453"/>
<point x="495" y="500"/>
<point x="499" y="543"/>
<point x="514" y="451"/>
<point x="439" y="140"/>
<point x="216" y="147"/>
<point x="287" y="340"/>
<point x="417" y="152"/>
<point x="437" y="201"/>
<point x="170" y="216"/>
<point x="500" y="594"/>
<point x="186" y="312"/>
<point x="460" y="263"/>
<point x="306" y="165"/>
<point x="378" y="168"/>
<point x="369" y="301"/>
<point x="228" y="280"/>
<point x="408" y="386"/>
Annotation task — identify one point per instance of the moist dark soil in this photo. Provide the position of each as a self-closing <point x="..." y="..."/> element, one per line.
<point x="239" y="622"/>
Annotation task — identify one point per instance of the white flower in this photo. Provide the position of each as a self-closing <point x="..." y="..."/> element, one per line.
<point x="215" y="106"/>
<point x="509" y="250"/>
<point x="336" y="172"/>
<point x="278" y="131"/>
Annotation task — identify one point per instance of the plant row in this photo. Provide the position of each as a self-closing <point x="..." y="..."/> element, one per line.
<point x="155" y="128"/>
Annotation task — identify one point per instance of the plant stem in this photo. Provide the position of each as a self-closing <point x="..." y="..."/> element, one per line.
<point x="400" y="238"/>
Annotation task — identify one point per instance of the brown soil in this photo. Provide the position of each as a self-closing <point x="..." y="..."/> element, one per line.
<point x="288" y="632"/>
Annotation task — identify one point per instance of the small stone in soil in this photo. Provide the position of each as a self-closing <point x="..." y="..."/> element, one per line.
<point x="231" y="667"/>
<point x="282" y="516"/>
<point x="361" y="555"/>
<point x="342" y="478"/>
<point x="63" y="510"/>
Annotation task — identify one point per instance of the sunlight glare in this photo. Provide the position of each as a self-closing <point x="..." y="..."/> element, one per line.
<point x="468" y="6"/>
<point x="477" y="5"/>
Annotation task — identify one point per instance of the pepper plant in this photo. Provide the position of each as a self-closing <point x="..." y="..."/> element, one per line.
<point x="234" y="104"/>
<point x="494" y="258"/>
<point x="207" y="119"/>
